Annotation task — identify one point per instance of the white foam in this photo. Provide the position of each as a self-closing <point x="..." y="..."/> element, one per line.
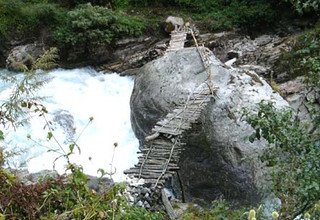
<point x="81" y="93"/>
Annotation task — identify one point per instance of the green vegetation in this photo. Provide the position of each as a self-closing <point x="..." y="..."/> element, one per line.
<point x="65" y="23"/>
<point x="27" y="18"/>
<point x="94" y="25"/>
<point x="293" y="155"/>
<point x="304" y="58"/>
<point x="303" y="6"/>
<point x="65" y="197"/>
<point x="220" y="210"/>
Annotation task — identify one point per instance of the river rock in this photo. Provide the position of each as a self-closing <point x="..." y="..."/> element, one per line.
<point x="218" y="160"/>
<point x="24" y="55"/>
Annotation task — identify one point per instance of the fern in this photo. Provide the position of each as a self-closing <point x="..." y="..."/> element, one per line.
<point x="48" y="60"/>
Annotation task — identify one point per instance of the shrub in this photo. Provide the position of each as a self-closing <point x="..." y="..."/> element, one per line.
<point x="219" y="210"/>
<point x="93" y="25"/>
<point x="250" y="17"/>
<point x="293" y="155"/>
<point x="25" y="18"/>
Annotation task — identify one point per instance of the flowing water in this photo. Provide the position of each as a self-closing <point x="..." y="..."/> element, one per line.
<point x="71" y="98"/>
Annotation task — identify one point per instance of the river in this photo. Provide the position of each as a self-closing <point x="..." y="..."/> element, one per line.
<point x="72" y="97"/>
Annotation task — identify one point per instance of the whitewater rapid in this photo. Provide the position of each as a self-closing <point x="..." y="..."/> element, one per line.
<point x="72" y="97"/>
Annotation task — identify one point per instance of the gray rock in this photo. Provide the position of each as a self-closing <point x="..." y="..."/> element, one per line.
<point x="263" y="51"/>
<point x="30" y="178"/>
<point x="219" y="161"/>
<point x="24" y="55"/>
<point x="269" y="205"/>
<point x="139" y="203"/>
<point x="263" y="40"/>
<point x="100" y="185"/>
<point x="173" y="23"/>
<point x="146" y="205"/>
<point x="261" y="70"/>
<point x="144" y="191"/>
<point x="302" y="99"/>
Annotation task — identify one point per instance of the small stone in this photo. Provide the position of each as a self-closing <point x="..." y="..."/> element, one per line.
<point x="146" y="205"/>
<point x="140" y="203"/>
<point x="144" y="191"/>
<point x="131" y="198"/>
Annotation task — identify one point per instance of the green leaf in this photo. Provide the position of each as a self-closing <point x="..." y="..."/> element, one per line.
<point x="1" y="136"/>
<point x="50" y="135"/>
<point x="71" y="147"/>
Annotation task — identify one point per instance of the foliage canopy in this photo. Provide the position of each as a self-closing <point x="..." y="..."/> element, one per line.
<point x="95" y="25"/>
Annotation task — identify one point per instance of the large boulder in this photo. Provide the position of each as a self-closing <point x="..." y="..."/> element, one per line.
<point x="218" y="160"/>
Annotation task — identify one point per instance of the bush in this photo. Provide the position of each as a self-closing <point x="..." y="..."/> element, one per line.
<point x="250" y="17"/>
<point x="89" y="25"/>
<point x="19" y="17"/>
<point x="293" y="156"/>
<point x="219" y="210"/>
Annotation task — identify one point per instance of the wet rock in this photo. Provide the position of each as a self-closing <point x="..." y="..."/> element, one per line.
<point x="65" y="120"/>
<point x="24" y="55"/>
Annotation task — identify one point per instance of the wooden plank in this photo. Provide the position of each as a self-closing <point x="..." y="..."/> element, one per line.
<point x="156" y="166"/>
<point x="148" y="172"/>
<point x="148" y="162"/>
<point x="160" y="150"/>
<point x="166" y="131"/>
<point x="153" y="176"/>
<point x="170" y="124"/>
